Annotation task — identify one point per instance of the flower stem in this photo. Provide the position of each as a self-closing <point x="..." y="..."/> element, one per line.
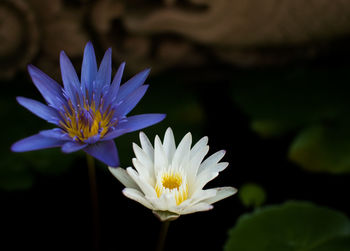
<point x="162" y="235"/>
<point x="94" y="201"/>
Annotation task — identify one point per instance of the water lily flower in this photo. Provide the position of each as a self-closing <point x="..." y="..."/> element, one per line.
<point x="88" y="113"/>
<point x="170" y="180"/>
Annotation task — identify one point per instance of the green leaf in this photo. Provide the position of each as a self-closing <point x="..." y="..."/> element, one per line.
<point x="293" y="226"/>
<point x="340" y="243"/>
<point x="299" y="100"/>
<point x="323" y="148"/>
<point x="252" y="195"/>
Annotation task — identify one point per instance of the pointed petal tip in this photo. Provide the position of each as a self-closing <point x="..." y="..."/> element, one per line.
<point x="62" y="53"/>
<point x="157" y="140"/>
<point x="188" y="135"/>
<point x="89" y="47"/>
<point x="122" y="66"/>
<point x="135" y="146"/>
<point x="33" y="70"/>
<point x="89" y="43"/>
<point x="14" y="148"/>
<point x="234" y="190"/>
<point x="30" y="67"/>
<point x="19" y="99"/>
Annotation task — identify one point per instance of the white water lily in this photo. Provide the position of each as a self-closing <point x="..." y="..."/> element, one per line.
<point x="170" y="180"/>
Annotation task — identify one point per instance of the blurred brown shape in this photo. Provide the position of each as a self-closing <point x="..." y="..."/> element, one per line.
<point x="248" y="32"/>
<point x="168" y="33"/>
<point x="19" y="36"/>
<point x="139" y="50"/>
<point x="34" y="31"/>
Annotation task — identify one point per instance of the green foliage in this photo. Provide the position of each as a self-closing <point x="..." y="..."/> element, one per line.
<point x="252" y="195"/>
<point x="322" y="148"/>
<point x="312" y="104"/>
<point x="293" y="226"/>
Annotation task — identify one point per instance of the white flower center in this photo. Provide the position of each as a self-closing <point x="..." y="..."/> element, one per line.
<point x="173" y="183"/>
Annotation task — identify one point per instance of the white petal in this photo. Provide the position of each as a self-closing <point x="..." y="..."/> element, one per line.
<point x="215" y="168"/>
<point x="159" y="203"/>
<point x="145" y="187"/>
<point x="212" y="160"/>
<point x="199" y="145"/>
<point x="199" y="196"/>
<point x="123" y="177"/>
<point x="182" y="152"/>
<point x="137" y="196"/>
<point x="160" y="158"/>
<point x="197" y="208"/>
<point x="169" y="144"/>
<point x="146" y="145"/>
<point x="147" y="174"/>
<point x="143" y="157"/>
<point x="195" y="162"/>
<point x="221" y="193"/>
<point x="202" y="179"/>
<point x="208" y="174"/>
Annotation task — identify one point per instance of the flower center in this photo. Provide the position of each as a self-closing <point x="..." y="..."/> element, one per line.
<point x="86" y="122"/>
<point x="172" y="183"/>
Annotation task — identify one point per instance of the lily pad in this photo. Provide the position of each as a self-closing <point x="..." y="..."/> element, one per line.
<point x="295" y="102"/>
<point x="322" y="148"/>
<point x="293" y="226"/>
<point x="252" y="195"/>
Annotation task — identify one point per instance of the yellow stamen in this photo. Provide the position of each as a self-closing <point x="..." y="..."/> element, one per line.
<point x="172" y="182"/>
<point x="86" y="122"/>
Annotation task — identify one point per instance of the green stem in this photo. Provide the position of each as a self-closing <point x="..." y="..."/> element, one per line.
<point x="162" y="235"/>
<point x="94" y="201"/>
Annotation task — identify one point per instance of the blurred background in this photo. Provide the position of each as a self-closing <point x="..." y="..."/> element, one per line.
<point x="268" y="81"/>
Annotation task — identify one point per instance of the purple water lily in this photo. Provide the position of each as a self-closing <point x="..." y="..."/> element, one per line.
<point x="88" y="113"/>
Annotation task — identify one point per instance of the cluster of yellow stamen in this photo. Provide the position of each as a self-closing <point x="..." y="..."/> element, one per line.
<point x="172" y="182"/>
<point x="86" y="122"/>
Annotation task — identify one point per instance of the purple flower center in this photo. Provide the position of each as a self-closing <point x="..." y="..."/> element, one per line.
<point x="85" y="122"/>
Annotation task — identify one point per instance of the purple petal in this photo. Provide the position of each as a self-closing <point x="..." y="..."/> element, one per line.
<point x="35" y="142"/>
<point x="132" y="84"/>
<point x="114" y="88"/>
<point x="70" y="147"/>
<point x="70" y="79"/>
<point x="49" y="88"/>
<point x="137" y="122"/>
<point x="93" y="139"/>
<point x="105" y="71"/>
<point x="131" y="101"/>
<point x="89" y="67"/>
<point x="114" y="134"/>
<point x="56" y="133"/>
<point x="39" y="109"/>
<point x="104" y="151"/>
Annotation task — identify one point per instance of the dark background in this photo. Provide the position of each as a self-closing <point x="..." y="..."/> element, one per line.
<point x="45" y="199"/>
